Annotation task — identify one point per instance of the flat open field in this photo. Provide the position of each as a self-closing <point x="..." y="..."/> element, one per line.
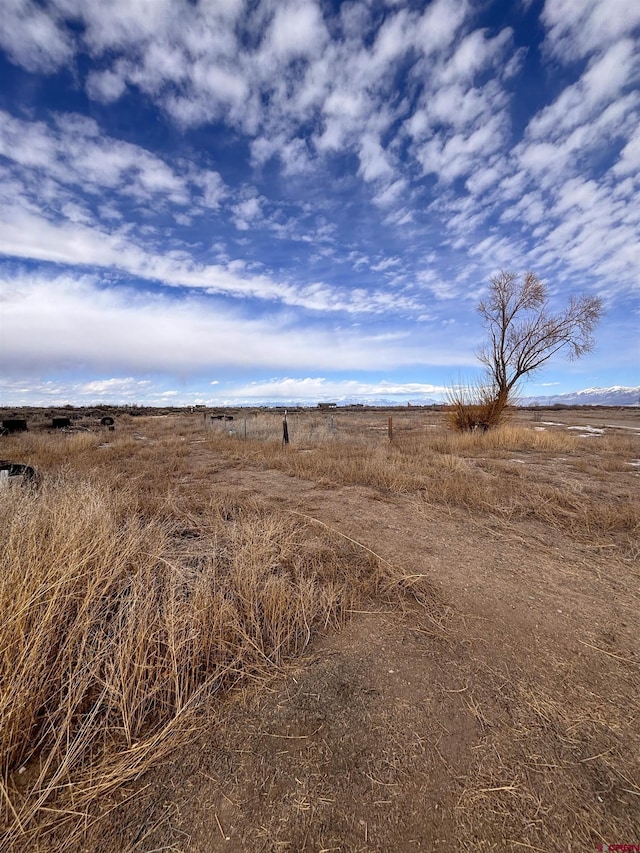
<point x="216" y="642"/>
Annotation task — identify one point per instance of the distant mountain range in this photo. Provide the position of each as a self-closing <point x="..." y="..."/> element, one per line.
<point x="616" y="396"/>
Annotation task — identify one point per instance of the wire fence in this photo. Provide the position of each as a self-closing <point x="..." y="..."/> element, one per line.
<point x="310" y="428"/>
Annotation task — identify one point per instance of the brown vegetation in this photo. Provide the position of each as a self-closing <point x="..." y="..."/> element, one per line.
<point x="139" y="584"/>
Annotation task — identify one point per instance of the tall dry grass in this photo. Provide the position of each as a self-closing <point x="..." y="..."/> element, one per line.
<point x="128" y="600"/>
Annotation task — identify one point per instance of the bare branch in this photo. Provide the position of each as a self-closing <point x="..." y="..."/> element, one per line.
<point x="523" y="334"/>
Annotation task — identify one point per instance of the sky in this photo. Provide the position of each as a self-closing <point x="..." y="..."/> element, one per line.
<point x="249" y="201"/>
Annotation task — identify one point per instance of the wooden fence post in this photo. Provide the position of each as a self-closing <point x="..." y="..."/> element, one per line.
<point x="285" y="431"/>
<point x="390" y="428"/>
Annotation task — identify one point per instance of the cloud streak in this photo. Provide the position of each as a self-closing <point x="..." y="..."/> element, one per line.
<point x="66" y="322"/>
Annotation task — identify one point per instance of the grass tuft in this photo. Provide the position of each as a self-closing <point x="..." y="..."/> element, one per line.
<point x="118" y="626"/>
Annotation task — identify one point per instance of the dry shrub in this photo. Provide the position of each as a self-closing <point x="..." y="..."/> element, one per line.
<point x="117" y="628"/>
<point x="475" y="408"/>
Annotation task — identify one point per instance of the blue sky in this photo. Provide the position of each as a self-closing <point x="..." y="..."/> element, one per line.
<point x="221" y="201"/>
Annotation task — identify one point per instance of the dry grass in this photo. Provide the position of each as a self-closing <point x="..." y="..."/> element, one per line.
<point x="129" y="598"/>
<point x="130" y="593"/>
<point x="581" y="486"/>
<point x="471" y="470"/>
<point x="545" y="751"/>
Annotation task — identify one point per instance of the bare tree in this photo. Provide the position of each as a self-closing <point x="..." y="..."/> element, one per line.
<point x="523" y="334"/>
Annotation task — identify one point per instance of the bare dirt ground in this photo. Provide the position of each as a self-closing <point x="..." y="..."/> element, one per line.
<point x="501" y="716"/>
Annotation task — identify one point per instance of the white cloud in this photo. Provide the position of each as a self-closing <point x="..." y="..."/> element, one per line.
<point x="441" y="290"/>
<point x="482" y="179"/>
<point x="601" y="83"/>
<point x="25" y="235"/>
<point x="146" y="392"/>
<point x="385" y="264"/>
<point x="213" y="188"/>
<point x="439" y="24"/>
<point x="317" y="388"/>
<point x="391" y="193"/>
<point x="247" y="211"/>
<point x="457" y="156"/>
<point x="219" y="83"/>
<point x="305" y="91"/>
<point x="374" y="162"/>
<point x="475" y="53"/>
<point x="295" y="154"/>
<point x="75" y="154"/>
<point x="629" y="161"/>
<point x="266" y="70"/>
<point x="577" y="29"/>
<point x="52" y="325"/>
<point x="106" y="86"/>
<point x="126" y="387"/>
<point x="297" y="30"/>
<point x="125" y="23"/>
<point x="32" y="38"/>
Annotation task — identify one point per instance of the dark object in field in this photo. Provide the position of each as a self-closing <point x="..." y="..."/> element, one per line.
<point x="60" y="423"/>
<point x="14" y="425"/>
<point x="106" y="421"/>
<point x="29" y="475"/>
<point x="228" y="417"/>
<point x="217" y="417"/>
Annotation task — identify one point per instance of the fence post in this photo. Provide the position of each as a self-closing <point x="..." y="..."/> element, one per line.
<point x="390" y="428"/>
<point x="285" y="431"/>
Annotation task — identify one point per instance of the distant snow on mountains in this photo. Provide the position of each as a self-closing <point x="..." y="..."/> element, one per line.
<point x="616" y="396"/>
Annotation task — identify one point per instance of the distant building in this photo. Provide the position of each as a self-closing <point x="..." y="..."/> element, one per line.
<point x="325" y="406"/>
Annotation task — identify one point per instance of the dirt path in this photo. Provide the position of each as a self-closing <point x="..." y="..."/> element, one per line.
<point x="502" y="717"/>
